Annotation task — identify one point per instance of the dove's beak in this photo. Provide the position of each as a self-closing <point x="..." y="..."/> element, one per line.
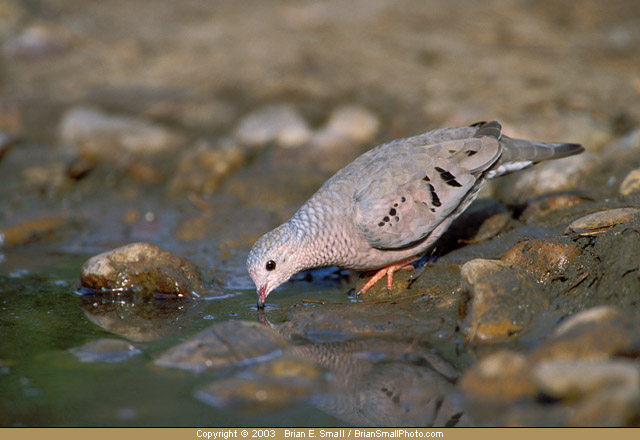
<point x="263" y="291"/>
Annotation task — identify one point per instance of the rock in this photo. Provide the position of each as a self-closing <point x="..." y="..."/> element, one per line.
<point x="193" y="113"/>
<point x="571" y="379"/>
<point x="601" y="393"/>
<point x="255" y="394"/>
<point x="105" y="350"/>
<point x="594" y="334"/>
<point x="544" y="258"/>
<point x="543" y="207"/>
<point x="39" y="41"/>
<point x="554" y="176"/>
<point x="587" y="318"/>
<point x="279" y="123"/>
<point x="631" y="182"/>
<point x="202" y="168"/>
<point x="226" y="345"/>
<point x="602" y="220"/>
<point x="142" y="268"/>
<point x="28" y="231"/>
<point x="351" y="123"/>
<point x="95" y="134"/>
<point x="502" y="378"/>
<point x="503" y="300"/>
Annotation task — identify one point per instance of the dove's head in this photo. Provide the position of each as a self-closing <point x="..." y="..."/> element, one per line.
<point x="273" y="260"/>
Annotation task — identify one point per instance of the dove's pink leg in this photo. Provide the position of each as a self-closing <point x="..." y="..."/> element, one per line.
<point x="388" y="271"/>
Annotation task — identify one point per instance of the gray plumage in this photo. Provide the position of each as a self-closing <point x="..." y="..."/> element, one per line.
<point x="393" y="202"/>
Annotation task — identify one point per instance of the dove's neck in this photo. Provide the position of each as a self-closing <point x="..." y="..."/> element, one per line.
<point x="316" y="243"/>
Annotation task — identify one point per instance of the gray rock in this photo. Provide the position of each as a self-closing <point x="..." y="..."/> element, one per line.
<point x="279" y="123"/>
<point x="602" y="220"/>
<point x="547" y="178"/>
<point x="350" y="123"/>
<point x="93" y="133"/>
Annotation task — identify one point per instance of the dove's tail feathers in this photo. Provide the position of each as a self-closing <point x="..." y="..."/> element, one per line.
<point x="518" y="154"/>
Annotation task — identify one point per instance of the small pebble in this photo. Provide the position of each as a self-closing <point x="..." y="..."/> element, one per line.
<point x="105" y="350"/>
<point x="631" y="182"/>
<point x="602" y="220"/>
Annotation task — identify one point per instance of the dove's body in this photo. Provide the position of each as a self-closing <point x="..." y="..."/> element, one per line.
<point x="393" y="202"/>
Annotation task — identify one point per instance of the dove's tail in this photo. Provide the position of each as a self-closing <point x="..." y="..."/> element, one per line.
<point x="519" y="153"/>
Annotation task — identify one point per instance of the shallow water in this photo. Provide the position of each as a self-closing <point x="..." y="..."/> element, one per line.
<point x="44" y="384"/>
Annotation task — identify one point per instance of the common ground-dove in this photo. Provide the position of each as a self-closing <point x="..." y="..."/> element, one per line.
<point x="392" y="203"/>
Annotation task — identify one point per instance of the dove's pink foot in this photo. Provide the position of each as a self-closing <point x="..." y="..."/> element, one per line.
<point x="388" y="271"/>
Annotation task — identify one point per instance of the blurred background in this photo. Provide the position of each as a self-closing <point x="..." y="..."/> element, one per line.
<point x="211" y="121"/>
<point x="199" y="125"/>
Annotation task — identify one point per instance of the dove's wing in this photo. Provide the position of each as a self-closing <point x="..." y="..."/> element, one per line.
<point x="409" y="191"/>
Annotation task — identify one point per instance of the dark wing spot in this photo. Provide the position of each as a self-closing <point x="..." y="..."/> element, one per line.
<point x="448" y="178"/>
<point x="471" y="152"/>
<point x="392" y="211"/>
<point x="435" y="200"/>
<point x="426" y="179"/>
<point x="397" y="218"/>
<point x="404" y="199"/>
<point x="381" y="224"/>
<point x="452" y="151"/>
<point x="386" y="219"/>
<point x="395" y="205"/>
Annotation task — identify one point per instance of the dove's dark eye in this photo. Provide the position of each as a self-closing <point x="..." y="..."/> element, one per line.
<point x="271" y="265"/>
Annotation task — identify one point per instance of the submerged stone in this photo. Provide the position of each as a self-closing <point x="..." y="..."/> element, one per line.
<point x="142" y="268"/>
<point x="280" y="383"/>
<point x="105" y="350"/>
<point x="225" y="345"/>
